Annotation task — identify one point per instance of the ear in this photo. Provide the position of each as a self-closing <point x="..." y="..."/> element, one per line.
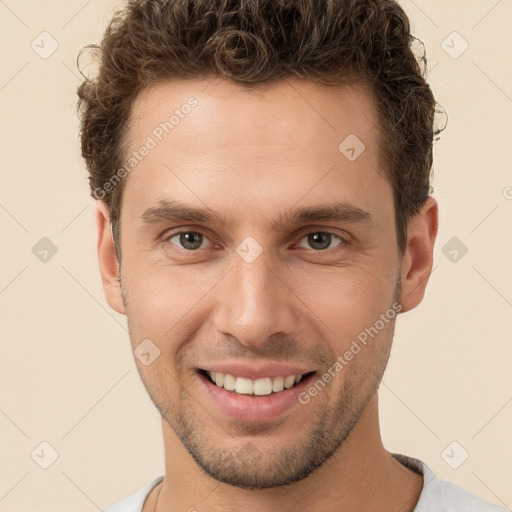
<point x="419" y="255"/>
<point x="109" y="266"/>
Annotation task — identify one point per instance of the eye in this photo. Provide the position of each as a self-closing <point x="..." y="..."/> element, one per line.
<point x="321" y="240"/>
<point x="194" y="240"/>
<point x="188" y="240"/>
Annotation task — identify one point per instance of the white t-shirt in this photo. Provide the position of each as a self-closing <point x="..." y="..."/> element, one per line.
<point x="436" y="495"/>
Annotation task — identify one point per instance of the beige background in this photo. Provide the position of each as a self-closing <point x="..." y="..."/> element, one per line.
<point x="67" y="372"/>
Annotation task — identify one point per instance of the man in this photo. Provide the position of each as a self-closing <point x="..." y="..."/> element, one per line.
<point x="261" y="171"/>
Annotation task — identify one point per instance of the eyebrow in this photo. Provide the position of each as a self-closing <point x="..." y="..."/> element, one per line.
<point x="174" y="211"/>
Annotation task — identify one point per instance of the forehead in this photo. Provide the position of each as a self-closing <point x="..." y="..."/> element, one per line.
<point x="214" y="136"/>
<point x="233" y="114"/>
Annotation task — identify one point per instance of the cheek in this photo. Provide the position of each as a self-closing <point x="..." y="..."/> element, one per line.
<point x="346" y="300"/>
<point x="170" y="302"/>
<point x="161" y="299"/>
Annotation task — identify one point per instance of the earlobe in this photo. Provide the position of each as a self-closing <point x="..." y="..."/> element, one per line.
<point x="418" y="258"/>
<point x="109" y="266"/>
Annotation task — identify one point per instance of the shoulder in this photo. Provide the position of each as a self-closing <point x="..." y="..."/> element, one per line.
<point x="134" y="502"/>
<point x="442" y="496"/>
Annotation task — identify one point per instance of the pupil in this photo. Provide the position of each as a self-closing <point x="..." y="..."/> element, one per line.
<point x="324" y="240"/>
<point x="191" y="238"/>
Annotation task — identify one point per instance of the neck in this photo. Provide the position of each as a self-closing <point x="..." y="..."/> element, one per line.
<point x="361" y="475"/>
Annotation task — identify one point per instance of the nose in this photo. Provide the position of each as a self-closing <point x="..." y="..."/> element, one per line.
<point x="255" y="301"/>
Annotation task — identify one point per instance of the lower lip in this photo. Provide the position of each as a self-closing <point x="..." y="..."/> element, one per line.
<point x="253" y="408"/>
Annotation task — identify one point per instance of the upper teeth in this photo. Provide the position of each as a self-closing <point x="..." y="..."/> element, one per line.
<point x="263" y="386"/>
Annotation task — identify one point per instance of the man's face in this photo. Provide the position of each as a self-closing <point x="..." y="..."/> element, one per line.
<point x="259" y="293"/>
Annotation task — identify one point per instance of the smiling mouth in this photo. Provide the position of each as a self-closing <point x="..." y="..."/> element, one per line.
<point x="257" y="387"/>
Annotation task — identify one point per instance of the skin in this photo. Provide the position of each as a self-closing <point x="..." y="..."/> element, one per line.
<point x="250" y="157"/>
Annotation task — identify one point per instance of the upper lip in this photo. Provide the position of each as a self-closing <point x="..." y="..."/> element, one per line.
<point x="256" y="370"/>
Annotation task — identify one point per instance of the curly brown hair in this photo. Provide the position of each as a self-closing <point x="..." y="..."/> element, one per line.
<point x="258" y="41"/>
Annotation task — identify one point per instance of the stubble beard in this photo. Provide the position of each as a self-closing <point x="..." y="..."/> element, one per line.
<point x="250" y="467"/>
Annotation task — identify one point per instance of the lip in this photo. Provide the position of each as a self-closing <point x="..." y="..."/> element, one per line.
<point x="252" y="408"/>
<point x="257" y="370"/>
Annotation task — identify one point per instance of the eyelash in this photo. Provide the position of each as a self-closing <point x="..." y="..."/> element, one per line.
<point x="171" y="234"/>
